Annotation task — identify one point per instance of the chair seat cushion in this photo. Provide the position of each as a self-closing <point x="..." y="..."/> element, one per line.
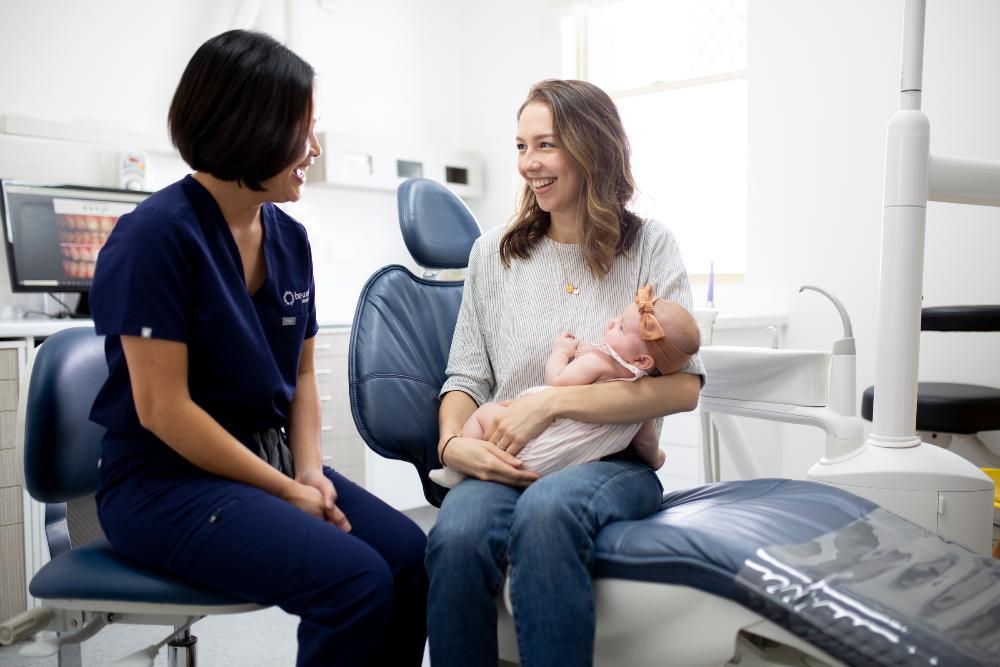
<point x="95" y="572"/>
<point x="948" y="407"/>
<point x="853" y="579"/>
<point x="702" y="536"/>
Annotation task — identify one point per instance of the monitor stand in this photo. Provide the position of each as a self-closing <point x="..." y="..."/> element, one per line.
<point x="82" y="311"/>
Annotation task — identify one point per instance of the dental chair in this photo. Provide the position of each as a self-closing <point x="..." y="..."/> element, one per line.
<point x="951" y="414"/>
<point x="755" y="572"/>
<point x="86" y="585"/>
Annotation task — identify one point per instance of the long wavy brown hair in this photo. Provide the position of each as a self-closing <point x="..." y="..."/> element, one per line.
<point x="590" y="131"/>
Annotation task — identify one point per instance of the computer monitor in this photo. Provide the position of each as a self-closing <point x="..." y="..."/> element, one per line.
<point x="54" y="232"/>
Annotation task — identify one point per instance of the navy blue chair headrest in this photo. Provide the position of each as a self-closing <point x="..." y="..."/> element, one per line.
<point x="438" y="228"/>
<point x="61" y="445"/>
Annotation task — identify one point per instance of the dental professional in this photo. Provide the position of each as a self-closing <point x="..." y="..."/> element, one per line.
<point x="571" y="260"/>
<point x="211" y="466"/>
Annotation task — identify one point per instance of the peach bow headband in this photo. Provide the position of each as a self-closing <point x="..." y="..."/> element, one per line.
<point x="666" y="355"/>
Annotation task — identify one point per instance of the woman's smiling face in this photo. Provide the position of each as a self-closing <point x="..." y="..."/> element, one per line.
<point x="544" y="164"/>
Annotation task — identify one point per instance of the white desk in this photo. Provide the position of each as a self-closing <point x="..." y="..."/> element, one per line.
<point x="30" y="329"/>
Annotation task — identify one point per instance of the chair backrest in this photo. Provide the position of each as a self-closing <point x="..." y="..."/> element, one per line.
<point x="402" y="331"/>
<point x="62" y="446"/>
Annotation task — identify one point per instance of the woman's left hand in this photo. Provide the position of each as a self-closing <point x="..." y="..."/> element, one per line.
<point x="521" y="422"/>
<point x="319" y="481"/>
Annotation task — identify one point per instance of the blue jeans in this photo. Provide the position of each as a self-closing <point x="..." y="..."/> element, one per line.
<point x="351" y="590"/>
<point x="546" y="535"/>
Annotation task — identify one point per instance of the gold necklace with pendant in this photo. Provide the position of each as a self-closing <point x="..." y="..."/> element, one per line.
<point x="570" y="287"/>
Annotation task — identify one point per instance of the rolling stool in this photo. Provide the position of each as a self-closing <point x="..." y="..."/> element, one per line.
<point x="86" y="585"/>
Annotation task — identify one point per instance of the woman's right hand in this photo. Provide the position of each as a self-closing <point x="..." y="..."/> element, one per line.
<point x="484" y="460"/>
<point x="306" y="498"/>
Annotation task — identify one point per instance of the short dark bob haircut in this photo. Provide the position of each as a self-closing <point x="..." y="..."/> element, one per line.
<point x="242" y="110"/>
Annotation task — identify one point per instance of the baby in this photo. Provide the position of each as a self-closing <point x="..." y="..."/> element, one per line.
<point x="652" y="337"/>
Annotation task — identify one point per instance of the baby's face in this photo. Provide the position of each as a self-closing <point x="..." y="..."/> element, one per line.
<point x="622" y="334"/>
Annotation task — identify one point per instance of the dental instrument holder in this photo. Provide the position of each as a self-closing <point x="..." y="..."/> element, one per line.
<point x="843" y="363"/>
<point x="928" y="485"/>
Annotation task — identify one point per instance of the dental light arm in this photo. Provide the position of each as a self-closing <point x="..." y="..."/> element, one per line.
<point x="963" y="180"/>
<point x="843" y="432"/>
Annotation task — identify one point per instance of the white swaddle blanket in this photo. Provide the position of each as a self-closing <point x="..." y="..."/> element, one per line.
<point x="567" y="442"/>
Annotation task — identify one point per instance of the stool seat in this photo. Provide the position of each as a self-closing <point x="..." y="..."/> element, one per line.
<point x="95" y="572"/>
<point x="949" y="407"/>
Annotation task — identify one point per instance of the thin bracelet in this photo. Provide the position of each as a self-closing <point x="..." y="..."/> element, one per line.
<point x="445" y="446"/>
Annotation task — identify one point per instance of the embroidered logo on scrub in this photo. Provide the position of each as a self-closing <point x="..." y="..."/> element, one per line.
<point x="288" y="321"/>
<point x="290" y="297"/>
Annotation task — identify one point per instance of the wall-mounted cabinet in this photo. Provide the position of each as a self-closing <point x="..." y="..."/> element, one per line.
<point x="359" y="162"/>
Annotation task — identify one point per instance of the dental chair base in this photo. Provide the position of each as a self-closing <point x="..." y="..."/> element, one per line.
<point x="930" y="486"/>
<point x="967" y="445"/>
<point x="656" y="624"/>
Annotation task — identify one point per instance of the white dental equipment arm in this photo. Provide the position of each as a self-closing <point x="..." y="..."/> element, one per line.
<point x="838" y="418"/>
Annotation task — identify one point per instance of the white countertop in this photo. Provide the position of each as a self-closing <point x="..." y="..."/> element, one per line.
<point x="41" y="327"/>
<point x="28" y="328"/>
<point x="731" y="321"/>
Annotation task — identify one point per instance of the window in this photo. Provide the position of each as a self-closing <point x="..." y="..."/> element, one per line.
<point x="677" y="70"/>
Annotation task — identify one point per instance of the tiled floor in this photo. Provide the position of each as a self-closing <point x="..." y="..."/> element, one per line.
<point x="262" y="639"/>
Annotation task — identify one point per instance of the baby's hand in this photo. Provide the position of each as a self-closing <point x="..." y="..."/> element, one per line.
<point x="566" y="343"/>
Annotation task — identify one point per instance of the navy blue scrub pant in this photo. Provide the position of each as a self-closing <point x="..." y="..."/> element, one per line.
<point x="361" y="595"/>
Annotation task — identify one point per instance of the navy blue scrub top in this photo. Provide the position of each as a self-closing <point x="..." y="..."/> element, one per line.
<point x="171" y="270"/>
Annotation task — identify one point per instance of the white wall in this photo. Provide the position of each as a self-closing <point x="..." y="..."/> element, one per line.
<point x="112" y="63"/>
<point x="823" y="81"/>
<point x="447" y="73"/>
<point x="443" y="72"/>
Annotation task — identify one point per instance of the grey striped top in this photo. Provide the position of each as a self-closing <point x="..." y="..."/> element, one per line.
<point x="509" y="317"/>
